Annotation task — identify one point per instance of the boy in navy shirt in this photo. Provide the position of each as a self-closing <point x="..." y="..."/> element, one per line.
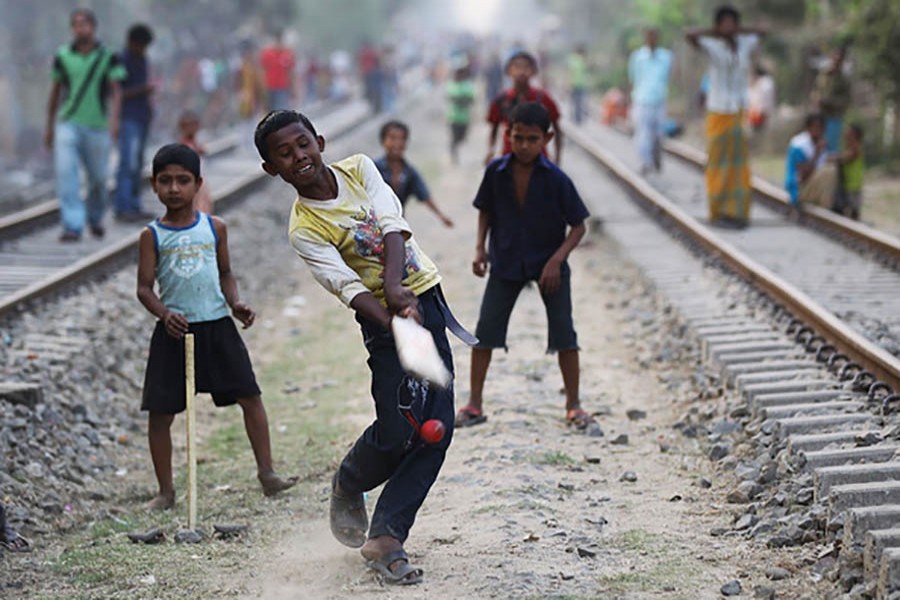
<point x="403" y="178"/>
<point x="526" y="203"/>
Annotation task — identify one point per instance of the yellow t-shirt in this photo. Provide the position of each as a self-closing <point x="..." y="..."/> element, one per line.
<point x="342" y="240"/>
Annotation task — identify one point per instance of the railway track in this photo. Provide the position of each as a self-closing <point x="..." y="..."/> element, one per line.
<point x="33" y="263"/>
<point x="818" y="387"/>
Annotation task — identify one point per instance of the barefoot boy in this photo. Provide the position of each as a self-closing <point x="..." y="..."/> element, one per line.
<point x="403" y="178"/>
<point x="347" y="225"/>
<point x="520" y="67"/>
<point x="186" y="252"/>
<point x="526" y="203"/>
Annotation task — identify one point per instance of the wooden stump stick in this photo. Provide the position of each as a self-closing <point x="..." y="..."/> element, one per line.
<point x="189" y="392"/>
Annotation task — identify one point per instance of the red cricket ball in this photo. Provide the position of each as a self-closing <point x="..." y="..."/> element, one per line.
<point x="432" y="431"/>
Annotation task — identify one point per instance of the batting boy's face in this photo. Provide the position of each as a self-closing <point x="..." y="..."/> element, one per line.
<point x="295" y="155"/>
<point x="176" y="186"/>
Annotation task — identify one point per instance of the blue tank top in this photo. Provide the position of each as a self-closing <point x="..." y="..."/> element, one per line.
<point x="187" y="269"/>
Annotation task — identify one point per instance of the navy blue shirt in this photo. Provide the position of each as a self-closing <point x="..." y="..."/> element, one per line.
<point x="523" y="238"/>
<point x="410" y="184"/>
<point x="137" y="108"/>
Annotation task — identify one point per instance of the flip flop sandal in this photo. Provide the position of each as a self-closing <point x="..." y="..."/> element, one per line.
<point x="348" y="518"/>
<point x="15" y="542"/>
<point x="579" y="419"/>
<point x="466" y="417"/>
<point x="404" y="574"/>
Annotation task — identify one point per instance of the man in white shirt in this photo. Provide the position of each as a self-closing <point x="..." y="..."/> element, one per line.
<point x="729" y="47"/>
<point x="648" y="72"/>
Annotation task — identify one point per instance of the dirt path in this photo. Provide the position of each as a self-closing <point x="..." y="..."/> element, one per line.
<point x="525" y="507"/>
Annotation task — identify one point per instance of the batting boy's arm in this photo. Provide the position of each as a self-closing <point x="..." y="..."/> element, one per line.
<point x="227" y="281"/>
<point x="480" y="264"/>
<point x="176" y="324"/>
<point x="552" y="273"/>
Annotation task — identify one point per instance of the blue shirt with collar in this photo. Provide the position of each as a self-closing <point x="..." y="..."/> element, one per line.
<point x="523" y="238"/>
<point x="410" y="184"/>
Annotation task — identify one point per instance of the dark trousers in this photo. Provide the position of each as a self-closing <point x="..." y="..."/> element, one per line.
<point x="389" y="451"/>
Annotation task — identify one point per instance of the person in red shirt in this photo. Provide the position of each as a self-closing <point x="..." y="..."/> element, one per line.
<point x="520" y="68"/>
<point x="278" y="63"/>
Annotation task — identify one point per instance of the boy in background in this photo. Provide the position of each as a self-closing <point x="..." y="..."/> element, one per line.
<point x="188" y="130"/>
<point x="851" y="168"/>
<point x="526" y="203"/>
<point x="403" y="178"/>
<point x="135" y="125"/>
<point x="461" y="95"/>
<point x="186" y="252"/>
<point x="520" y="68"/>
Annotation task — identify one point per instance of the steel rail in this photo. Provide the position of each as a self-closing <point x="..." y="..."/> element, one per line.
<point x="881" y="363"/>
<point x="777" y="198"/>
<point x="120" y="248"/>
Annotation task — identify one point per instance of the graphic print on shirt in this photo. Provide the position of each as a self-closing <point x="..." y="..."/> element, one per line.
<point x="188" y="256"/>
<point x="370" y="241"/>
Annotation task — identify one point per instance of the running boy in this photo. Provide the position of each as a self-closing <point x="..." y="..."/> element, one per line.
<point x="520" y="67"/>
<point x="403" y="178"/>
<point x="186" y="252"/>
<point x="347" y="225"/>
<point x="526" y="203"/>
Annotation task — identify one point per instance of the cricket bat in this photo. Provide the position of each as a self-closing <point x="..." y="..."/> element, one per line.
<point x="189" y="392"/>
<point x="417" y="352"/>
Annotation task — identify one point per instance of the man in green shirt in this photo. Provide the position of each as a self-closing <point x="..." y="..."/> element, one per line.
<point x="578" y="81"/>
<point x="82" y="121"/>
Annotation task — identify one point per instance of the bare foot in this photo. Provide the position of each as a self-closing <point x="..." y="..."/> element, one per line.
<point x="272" y="483"/>
<point x="162" y="501"/>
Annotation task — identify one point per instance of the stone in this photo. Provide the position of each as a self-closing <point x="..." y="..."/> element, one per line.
<point x="805" y="496"/>
<point x="777" y="573"/>
<point x="629" y="476"/>
<point x="732" y="588"/>
<point x="737" y="497"/>
<point x="704" y="483"/>
<point x="635" y="414"/>
<point x="764" y="592"/>
<point x="746" y="521"/>
<point x="719" y="451"/>
<point x="585" y="552"/>
<point x="620" y="440"/>
<point x="593" y="430"/>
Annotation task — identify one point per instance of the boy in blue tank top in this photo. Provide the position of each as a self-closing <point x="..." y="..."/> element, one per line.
<point x="186" y="252"/>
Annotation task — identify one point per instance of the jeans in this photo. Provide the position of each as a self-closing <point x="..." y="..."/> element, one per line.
<point x="388" y="451"/>
<point x="132" y="140"/>
<point x="578" y="103"/>
<point x="649" y="120"/>
<point x="75" y="143"/>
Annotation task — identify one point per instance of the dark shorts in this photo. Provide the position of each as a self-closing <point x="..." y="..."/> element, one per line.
<point x="500" y="297"/>
<point x="221" y="367"/>
<point x="458" y="131"/>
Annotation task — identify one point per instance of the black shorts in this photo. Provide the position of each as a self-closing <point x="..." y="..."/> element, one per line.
<point x="500" y="297"/>
<point x="221" y="367"/>
<point x="458" y="132"/>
